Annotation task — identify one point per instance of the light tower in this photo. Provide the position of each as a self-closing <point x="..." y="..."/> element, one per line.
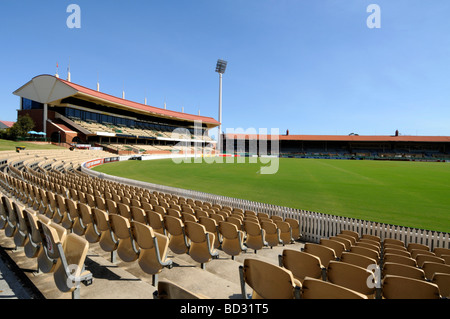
<point x="220" y="68"/>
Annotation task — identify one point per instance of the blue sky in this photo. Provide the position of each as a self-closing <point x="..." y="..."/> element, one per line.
<point x="310" y="66"/>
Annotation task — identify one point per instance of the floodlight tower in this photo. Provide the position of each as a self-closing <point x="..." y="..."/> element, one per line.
<point x="220" y="68"/>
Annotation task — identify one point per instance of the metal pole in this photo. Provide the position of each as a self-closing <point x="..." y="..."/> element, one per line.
<point x="219" y="142"/>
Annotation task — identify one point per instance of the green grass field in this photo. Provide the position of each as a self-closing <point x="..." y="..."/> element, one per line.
<point x="6" y="145"/>
<point x="410" y="194"/>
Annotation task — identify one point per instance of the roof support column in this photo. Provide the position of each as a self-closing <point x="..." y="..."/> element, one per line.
<point x="44" y="118"/>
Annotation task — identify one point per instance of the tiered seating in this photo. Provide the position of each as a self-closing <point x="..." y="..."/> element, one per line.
<point x="351" y="261"/>
<point x="48" y="196"/>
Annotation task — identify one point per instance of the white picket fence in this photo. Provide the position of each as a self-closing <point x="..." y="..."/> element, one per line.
<point x="313" y="225"/>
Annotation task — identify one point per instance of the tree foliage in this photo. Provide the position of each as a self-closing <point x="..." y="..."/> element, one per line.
<point x="21" y="128"/>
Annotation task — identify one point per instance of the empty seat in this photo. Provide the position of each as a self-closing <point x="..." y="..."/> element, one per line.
<point x="393" y="241"/>
<point x="272" y="235"/>
<point x="268" y="281"/>
<point x="430" y="268"/>
<point x="338" y="247"/>
<point x="351" y="276"/>
<point x="202" y="243"/>
<point x="442" y="280"/>
<point x="212" y="226"/>
<point x="301" y="264"/>
<point x="34" y="244"/>
<point x="347" y="243"/>
<point x="156" y="221"/>
<point x="439" y="251"/>
<point x="412" y="246"/>
<point x="69" y="270"/>
<point x="153" y="250"/>
<point x="398" y="287"/>
<point x="255" y="236"/>
<point x="232" y="239"/>
<point x="295" y="227"/>
<point x="421" y="258"/>
<point x="366" y="252"/>
<point x="285" y="231"/>
<point x="87" y="224"/>
<point x="372" y="237"/>
<point x="108" y="240"/>
<point x="52" y="234"/>
<point x="351" y="233"/>
<point x="318" y="289"/>
<point x="390" y="268"/>
<point x="126" y="249"/>
<point x="394" y="251"/>
<point x="16" y="214"/>
<point x="178" y="241"/>
<point x="399" y="259"/>
<point x="324" y="253"/>
<point x="357" y="259"/>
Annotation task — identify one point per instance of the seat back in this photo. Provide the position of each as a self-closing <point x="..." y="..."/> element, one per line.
<point x="126" y="249"/>
<point x="301" y="264"/>
<point x="318" y="289"/>
<point x="399" y="259"/>
<point x="421" y="258"/>
<point x="325" y="254"/>
<point x="350" y="276"/>
<point x="393" y="241"/>
<point x="430" y="268"/>
<point x="285" y="231"/>
<point x="412" y="246"/>
<point x="338" y="247"/>
<point x="268" y="281"/>
<point x="357" y="259"/>
<point x="390" y="268"/>
<point x="74" y="252"/>
<point x="399" y="287"/>
<point x="295" y="226"/>
<point x="443" y="282"/>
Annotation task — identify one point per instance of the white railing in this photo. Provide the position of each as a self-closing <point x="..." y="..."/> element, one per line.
<point x="313" y="225"/>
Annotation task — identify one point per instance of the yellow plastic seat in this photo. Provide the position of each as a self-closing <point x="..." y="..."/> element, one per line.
<point x="255" y="236"/>
<point x="285" y="231"/>
<point x="126" y="249"/>
<point x="51" y="234"/>
<point x="390" y="268"/>
<point x="178" y="241"/>
<point x="108" y="240"/>
<point x="86" y="225"/>
<point x="338" y="247"/>
<point x="268" y="281"/>
<point x="318" y="289"/>
<point x="398" y="287"/>
<point x="156" y="222"/>
<point x="351" y="276"/>
<point x="301" y="264"/>
<point x="212" y="226"/>
<point x="272" y="235"/>
<point x="357" y="259"/>
<point x="153" y="250"/>
<point x="201" y="248"/>
<point x="295" y="227"/>
<point x="325" y="254"/>
<point x="232" y="239"/>
<point x="69" y="269"/>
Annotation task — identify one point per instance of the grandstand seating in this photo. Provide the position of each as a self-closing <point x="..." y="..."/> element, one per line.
<point x="57" y="213"/>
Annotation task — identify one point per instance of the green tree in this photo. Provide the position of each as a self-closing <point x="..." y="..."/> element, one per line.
<point x="21" y="128"/>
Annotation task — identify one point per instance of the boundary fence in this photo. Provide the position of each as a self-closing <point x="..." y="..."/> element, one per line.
<point x="313" y="225"/>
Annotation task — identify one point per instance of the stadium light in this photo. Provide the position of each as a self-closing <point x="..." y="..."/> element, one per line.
<point x="220" y="68"/>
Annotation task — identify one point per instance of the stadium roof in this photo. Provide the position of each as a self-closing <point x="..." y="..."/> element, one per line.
<point x="51" y="90"/>
<point x="345" y="138"/>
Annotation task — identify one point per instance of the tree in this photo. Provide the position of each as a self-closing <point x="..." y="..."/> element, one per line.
<point x="21" y="128"/>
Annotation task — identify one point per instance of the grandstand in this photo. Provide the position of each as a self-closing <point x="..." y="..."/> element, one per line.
<point x="129" y="241"/>
<point x="72" y="114"/>
<point x="62" y="223"/>
<point x="381" y="147"/>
